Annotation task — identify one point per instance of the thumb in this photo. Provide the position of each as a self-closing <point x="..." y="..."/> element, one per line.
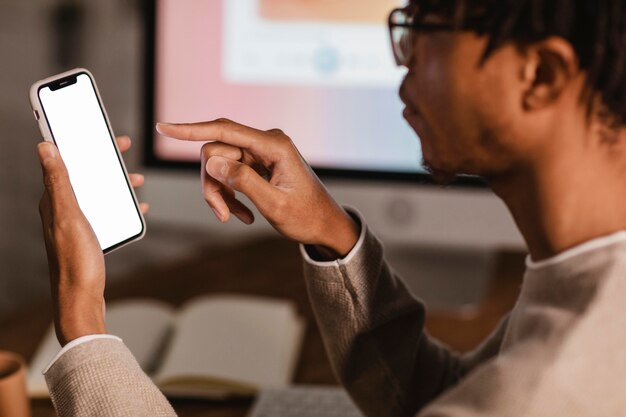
<point x="55" y="177"/>
<point x="241" y="177"/>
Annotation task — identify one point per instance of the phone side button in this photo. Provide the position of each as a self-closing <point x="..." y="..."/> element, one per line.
<point x="36" y="114"/>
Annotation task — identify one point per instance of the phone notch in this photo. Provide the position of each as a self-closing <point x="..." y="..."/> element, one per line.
<point x="63" y="82"/>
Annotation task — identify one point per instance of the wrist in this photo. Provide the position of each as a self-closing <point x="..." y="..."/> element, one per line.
<point x="340" y="237"/>
<point x="76" y="318"/>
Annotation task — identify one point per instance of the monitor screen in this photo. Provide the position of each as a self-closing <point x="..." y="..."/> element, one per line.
<point x="322" y="71"/>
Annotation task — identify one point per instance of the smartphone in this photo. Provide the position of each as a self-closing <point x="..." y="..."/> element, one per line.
<point x="69" y="111"/>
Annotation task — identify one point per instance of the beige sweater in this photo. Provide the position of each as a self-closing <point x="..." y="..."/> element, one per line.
<point x="558" y="353"/>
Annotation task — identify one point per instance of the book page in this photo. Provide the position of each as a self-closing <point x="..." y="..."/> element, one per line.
<point x="293" y="346"/>
<point x="143" y="325"/>
<point x="236" y="344"/>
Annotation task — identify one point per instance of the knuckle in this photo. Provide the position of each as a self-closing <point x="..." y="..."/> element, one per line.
<point x="280" y="207"/>
<point x="280" y="136"/>
<point x="211" y="186"/>
<point x="281" y="140"/>
<point x="220" y="149"/>
<point x="52" y="179"/>
<point x="276" y="132"/>
<point x="206" y="149"/>
<point x="285" y="141"/>
<point x="287" y="149"/>
<point x="241" y="175"/>
<point x="226" y="125"/>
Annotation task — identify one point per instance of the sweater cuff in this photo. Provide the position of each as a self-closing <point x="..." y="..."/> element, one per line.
<point x="309" y="254"/>
<point x="77" y="342"/>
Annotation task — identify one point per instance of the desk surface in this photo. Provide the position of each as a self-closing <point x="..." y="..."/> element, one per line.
<point x="271" y="267"/>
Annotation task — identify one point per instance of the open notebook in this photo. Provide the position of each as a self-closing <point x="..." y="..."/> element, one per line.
<point x="212" y="347"/>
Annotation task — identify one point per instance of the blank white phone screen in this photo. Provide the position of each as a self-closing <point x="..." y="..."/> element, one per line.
<point x="80" y="131"/>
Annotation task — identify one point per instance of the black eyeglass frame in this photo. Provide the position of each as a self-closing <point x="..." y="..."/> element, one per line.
<point x="418" y="26"/>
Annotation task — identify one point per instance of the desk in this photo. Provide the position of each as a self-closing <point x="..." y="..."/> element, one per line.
<point x="269" y="266"/>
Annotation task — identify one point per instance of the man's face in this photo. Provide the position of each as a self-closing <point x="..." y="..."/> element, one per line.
<point x="463" y="111"/>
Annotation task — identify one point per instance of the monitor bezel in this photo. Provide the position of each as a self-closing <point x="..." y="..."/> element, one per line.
<point x="151" y="160"/>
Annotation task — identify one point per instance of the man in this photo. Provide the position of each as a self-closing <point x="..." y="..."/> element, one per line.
<point x="530" y="95"/>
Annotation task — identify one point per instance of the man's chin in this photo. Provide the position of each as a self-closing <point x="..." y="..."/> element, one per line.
<point x="443" y="177"/>
<point x="440" y="176"/>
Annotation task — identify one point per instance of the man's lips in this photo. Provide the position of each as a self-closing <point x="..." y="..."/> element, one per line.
<point x="410" y="109"/>
<point x="409" y="112"/>
<point x="414" y="118"/>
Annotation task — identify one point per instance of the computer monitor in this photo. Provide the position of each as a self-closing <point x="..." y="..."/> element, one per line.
<point x="323" y="72"/>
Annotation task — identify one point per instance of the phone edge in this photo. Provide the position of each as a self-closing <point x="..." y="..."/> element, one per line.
<point x="45" y="130"/>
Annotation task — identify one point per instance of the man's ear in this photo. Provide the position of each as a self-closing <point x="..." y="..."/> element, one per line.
<point x="549" y="66"/>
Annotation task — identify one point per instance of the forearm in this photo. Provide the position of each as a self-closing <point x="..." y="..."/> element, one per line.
<point x="102" y="378"/>
<point x="373" y="329"/>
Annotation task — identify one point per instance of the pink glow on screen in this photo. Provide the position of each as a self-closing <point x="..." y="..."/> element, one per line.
<point x="344" y="124"/>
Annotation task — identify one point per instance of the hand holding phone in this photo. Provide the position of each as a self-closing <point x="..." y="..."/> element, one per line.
<point x="88" y="207"/>
<point x="70" y="114"/>
<point x="75" y="259"/>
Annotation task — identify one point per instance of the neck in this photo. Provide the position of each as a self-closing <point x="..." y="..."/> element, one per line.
<point x="568" y="199"/>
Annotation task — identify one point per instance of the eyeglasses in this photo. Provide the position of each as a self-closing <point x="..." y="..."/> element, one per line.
<point x="403" y="30"/>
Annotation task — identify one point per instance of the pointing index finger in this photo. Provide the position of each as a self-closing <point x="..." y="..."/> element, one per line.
<point x="221" y="130"/>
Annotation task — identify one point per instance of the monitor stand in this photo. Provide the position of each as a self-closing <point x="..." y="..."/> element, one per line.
<point x="448" y="280"/>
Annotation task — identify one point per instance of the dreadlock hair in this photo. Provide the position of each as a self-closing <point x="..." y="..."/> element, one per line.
<point x="596" y="29"/>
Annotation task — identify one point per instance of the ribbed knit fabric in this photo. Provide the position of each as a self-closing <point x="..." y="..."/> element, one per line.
<point x="560" y="352"/>
<point x="102" y="378"/>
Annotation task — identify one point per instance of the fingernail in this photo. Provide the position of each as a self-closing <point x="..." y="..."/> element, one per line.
<point x="160" y="125"/>
<point x="248" y="219"/>
<point x="217" y="168"/>
<point x="46" y="151"/>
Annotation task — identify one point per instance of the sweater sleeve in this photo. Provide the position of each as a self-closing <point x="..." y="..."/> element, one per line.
<point x="102" y="378"/>
<point x="373" y="330"/>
